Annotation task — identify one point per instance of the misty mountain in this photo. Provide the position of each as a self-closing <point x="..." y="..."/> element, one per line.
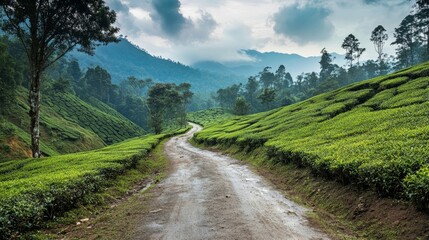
<point x="124" y="59"/>
<point x="294" y="63"/>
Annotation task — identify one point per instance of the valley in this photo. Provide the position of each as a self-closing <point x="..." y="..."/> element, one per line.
<point x="68" y="123"/>
<point x="208" y="195"/>
<point x="353" y="135"/>
<point x="174" y="119"/>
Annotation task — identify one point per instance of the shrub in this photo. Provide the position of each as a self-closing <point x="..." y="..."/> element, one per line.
<point x="417" y="187"/>
<point x="36" y="190"/>
<point x="373" y="134"/>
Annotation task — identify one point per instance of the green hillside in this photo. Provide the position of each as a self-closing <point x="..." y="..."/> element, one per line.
<point x="374" y="134"/>
<point x="124" y="59"/>
<point x="106" y="124"/>
<point x="68" y="124"/>
<point x="34" y="190"/>
<point x="209" y="116"/>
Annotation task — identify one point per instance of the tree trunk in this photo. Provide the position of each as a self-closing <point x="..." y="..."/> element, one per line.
<point x="427" y="44"/>
<point x="34" y="99"/>
<point x="184" y="115"/>
<point x="157" y="121"/>
<point x="36" y="63"/>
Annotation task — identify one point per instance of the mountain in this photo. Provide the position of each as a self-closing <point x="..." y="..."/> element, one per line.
<point x="124" y="59"/>
<point x="68" y="124"/>
<point x="294" y="63"/>
<point x="214" y="67"/>
<point x="373" y="134"/>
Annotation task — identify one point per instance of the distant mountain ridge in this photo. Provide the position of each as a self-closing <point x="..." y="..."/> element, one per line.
<point x="294" y="63"/>
<point x="125" y="59"/>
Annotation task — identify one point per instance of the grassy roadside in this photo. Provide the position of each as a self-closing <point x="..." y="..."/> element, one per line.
<point x="343" y="211"/>
<point x="372" y="133"/>
<point x="111" y="217"/>
<point x="37" y="190"/>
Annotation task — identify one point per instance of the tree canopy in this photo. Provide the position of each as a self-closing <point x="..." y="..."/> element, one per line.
<point x="353" y="51"/>
<point x="379" y="37"/>
<point x="48" y="30"/>
<point x="7" y="80"/>
<point x="167" y="103"/>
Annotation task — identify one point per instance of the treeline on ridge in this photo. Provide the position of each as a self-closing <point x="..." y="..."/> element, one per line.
<point x="132" y="97"/>
<point x="268" y="89"/>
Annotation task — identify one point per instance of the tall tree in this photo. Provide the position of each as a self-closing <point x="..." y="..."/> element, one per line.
<point x="135" y="109"/>
<point x="289" y="79"/>
<point x="50" y="29"/>
<point x="311" y="79"/>
<point x="162" y="97"/>
<point x="326" y="66"/>
<point x="422" y="18"/>
<point x="299" y="82"/>
<point x="241" y="106"/>
<point x="267" y="97"/>
<point x="98" y="82"/>
<point x="353" y="51"/>
<point x="407" y="42"/>
<point x="74" y="71"/>
<point x="372" y="69"/>
<point x="252" y="87"/>
<point x="379" y="37"/>
<point x="226" y="97"/>
<point x="186" y="97"/>
<point x="7" y="80"/>
<point x="266" y="77"/>
<point x="280" y="80"/>
<point x="135" y="86"/>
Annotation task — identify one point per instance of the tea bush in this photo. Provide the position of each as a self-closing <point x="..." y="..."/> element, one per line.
<point x="33" y="190"/>
<point x="373" y="134"/>
<point x="208" y="116"/>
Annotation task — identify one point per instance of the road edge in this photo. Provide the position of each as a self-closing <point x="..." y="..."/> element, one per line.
<point x="342" y="211"/>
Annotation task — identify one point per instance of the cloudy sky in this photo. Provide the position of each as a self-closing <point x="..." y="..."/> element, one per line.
<point x="197" y="30"/>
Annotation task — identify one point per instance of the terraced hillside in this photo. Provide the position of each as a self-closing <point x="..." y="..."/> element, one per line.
<point x="111" y="128"/>
<point x="208" y="116"/>
<point x="374" y="133"/>
<point x="68" y="124"/>
<point x="34" y="190"/>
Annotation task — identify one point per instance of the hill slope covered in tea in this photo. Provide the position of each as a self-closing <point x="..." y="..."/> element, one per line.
<point x="373" y="133"/>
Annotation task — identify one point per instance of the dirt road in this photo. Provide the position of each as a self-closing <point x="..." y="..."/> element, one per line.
<point x="212" y="196"/>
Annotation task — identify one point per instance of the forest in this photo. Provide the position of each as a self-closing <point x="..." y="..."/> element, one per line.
<point x="273" y="88"/>
<point x="130" y="97"/>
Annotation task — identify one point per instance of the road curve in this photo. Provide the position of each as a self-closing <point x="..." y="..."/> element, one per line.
<point x="212" y="196"/>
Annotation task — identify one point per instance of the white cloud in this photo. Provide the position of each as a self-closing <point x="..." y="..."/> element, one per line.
<point x="216" y="30"/>
<point x="303" y="24"/>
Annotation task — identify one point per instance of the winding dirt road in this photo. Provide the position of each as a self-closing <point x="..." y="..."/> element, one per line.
<point x="212" y="196"/>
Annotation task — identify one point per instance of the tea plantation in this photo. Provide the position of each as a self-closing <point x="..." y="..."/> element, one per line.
<point x="68" y="125"/>
<point x="205" y="117"/>
<point x="110" y="128"/>
<point x="373" y="134"/>
<point x="34" y="190"/>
